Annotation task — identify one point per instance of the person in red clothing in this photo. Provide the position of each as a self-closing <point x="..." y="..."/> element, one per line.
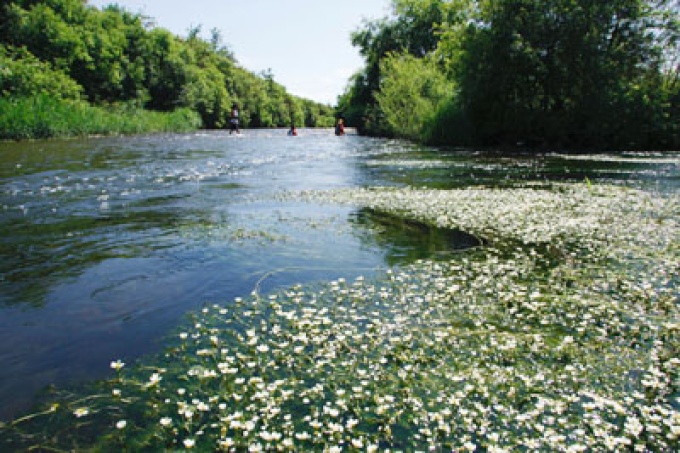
<point x="292" y="131"/>
<point x="340" y="127"/>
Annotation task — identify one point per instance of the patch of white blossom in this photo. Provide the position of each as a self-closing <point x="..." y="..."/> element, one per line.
<point x="561" y="333"/>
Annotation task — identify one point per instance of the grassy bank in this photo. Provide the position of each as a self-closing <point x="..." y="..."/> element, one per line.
<point x="560" y="334"/>
<point x="46" y="117"/>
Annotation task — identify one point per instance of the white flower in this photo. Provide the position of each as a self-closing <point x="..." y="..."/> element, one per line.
<point x="470" y="446"/>
<point x="117" y="365"/>
<point x="189" y="443"/>
<point x="226" y="443"/>
<point x="166" y="421"/>
<point x="154" y="379"/>
<point x="202" y="407"/>
<point x="121" y="424"/>
<point x="81" y="412"/>
<point x="270" y="436"/>
<point x="633" y="426"/>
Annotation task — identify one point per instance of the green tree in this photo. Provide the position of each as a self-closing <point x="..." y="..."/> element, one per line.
<point x="205" y="90"/>
<point x="165" y="70"/>
<point x="411" y="92"/>
<point x="412" y="29"/>
<point x="565" y="72"/>
<point x="571" y="73"/>
<point x="112" y="57"/>
<point x="317" y="115"/>
<point x="23" y="75"/>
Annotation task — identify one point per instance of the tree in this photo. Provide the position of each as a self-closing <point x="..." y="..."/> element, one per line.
<point x="411" y="30"/>
<point x="23" y="75"/>
<point x="559" y="72"/>
<point x="165" y="70"/>
<point x="411" y="92"/>
<point x="67" y="49"/>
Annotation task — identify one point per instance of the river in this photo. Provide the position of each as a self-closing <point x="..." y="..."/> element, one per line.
<point x="108" y="242"/>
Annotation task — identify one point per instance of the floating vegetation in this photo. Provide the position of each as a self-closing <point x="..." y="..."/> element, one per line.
<point x="632" y="158"/>
<point x="405" y="241"/>
<point x="561" y="333"/>
<point x="403" y="163"/>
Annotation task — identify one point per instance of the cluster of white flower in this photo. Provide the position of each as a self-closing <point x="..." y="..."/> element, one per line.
<point x="590" y="215"/>
<point x="561" y="334"/>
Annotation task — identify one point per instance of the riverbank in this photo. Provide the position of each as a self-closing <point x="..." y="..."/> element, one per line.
<point x="560" y="334"/>
<point x="45" y="117"/>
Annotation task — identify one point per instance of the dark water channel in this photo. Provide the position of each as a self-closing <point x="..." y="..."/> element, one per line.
<point x="107" y="242"/>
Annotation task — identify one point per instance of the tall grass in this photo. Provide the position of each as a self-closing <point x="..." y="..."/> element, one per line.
<point x="44" y="117"/>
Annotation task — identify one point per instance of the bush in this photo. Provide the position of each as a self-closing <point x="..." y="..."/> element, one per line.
<point x="44" y="116"/>
<point x="22" y="74"/>
<point x="450" y="126"/>
<point x="411" y="93"/>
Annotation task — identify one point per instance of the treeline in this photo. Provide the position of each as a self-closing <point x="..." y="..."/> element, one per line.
<point x="539" y="73"/>
<point x="113" y="60"/>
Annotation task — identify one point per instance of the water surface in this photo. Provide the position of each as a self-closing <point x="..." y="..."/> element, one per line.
<point x="107" y="242"/>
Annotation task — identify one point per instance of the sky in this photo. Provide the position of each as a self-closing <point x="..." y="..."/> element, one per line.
<point x="305" y="43"/>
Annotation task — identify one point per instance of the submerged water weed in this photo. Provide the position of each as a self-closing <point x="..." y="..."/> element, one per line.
<point x="563" y="334"/>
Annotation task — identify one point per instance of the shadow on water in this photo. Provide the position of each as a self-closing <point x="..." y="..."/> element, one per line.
<point x="422" y="166"/>
<point x="406" y="241"/>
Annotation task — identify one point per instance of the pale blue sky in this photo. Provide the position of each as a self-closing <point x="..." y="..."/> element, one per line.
<point x="306" y="43"/>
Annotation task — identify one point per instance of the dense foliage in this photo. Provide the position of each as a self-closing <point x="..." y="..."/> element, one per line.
<point x="564" y="73"/>
<point x="43" y="116"/>
<point x="67" y="49"/>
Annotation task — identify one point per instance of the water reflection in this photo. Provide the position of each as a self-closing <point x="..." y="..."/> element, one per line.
<point x="42" y="254"/>
<point x="434" y="168"/>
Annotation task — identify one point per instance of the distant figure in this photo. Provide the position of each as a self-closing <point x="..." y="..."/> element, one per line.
<point x="340" y="127"/>
<point x="233" y="122"/>
<point x="292" y="131"/>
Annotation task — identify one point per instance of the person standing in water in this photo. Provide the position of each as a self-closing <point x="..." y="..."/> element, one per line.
<point x="233" y="122"/>
<point x="340" y="127"/>
<point x="292" y="131"/>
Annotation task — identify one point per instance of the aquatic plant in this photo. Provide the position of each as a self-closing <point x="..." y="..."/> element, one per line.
<point x="561" y="334"/>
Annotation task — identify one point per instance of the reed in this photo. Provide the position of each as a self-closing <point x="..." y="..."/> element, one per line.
<point x="45" y="117"/>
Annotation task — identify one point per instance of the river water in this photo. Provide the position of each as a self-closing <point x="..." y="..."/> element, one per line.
<point x="106" y="243"/>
